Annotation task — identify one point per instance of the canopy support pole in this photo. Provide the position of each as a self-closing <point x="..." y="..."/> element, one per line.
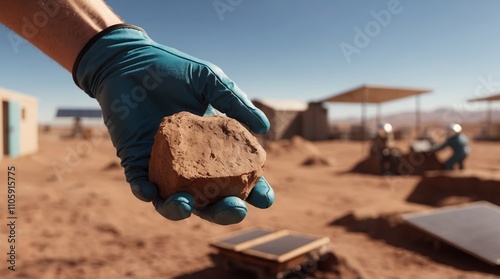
<point x="378" y="115"/>
<point x="363" y="117"/>
<point x="418" y="124"/>
<point x="489" y="120"/>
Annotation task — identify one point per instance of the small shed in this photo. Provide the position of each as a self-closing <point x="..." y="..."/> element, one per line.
<point x="315" y="122"/>
<point x="19" y="117"/>
<point x="284" y="117"/>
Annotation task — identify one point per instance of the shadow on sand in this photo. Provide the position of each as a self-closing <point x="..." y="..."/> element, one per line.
<point x="216" y="271"/>
<point x="413" y="163"/>
<point x="329" y="266"/>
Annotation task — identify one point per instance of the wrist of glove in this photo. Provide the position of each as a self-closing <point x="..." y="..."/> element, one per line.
<point x="137" y="82"/>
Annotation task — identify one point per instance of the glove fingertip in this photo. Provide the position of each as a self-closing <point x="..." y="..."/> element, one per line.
<point x="261" y="125"/>
<point x="230" y="217"/>
<point x="177" y="207"/>
<point x="228" y="211"/>
<point x="144" y="190"/>
<point x="262" y="195"/>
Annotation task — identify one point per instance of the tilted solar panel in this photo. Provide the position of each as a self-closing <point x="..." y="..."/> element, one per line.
<point x="87" y="113"/>
<point x="473" y="228"/>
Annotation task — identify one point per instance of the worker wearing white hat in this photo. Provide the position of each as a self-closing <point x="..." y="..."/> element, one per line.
<point x="459" y="143"/>
<point x="383" y="147"/>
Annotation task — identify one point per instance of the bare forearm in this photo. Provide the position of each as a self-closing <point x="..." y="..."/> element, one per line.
<point x="59" y="28"/>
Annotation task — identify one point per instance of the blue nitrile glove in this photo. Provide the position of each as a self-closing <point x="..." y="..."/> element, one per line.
<point x="137" y="82"/>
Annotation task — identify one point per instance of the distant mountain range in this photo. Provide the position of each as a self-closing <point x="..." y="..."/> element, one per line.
<point x="438" y="116"/>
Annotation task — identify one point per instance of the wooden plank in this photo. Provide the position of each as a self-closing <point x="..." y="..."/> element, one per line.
<point x="473" y="228"/>
<point x="270" y="266"/>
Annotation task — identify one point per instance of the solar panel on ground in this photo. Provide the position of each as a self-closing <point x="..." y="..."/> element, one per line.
<point x="87" y="113"/>
<point x="269" y="253"/>
<point x="282" y="245"/>
<point x="286" y="247"/>
<point x="473" y="228"/>
<point x="244" y="239"/>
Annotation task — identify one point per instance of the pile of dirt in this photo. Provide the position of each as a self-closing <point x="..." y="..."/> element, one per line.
<point x="299" y="148"/>
<point x="335" y="266"/>
<point x="441" y="188"/>
<point x="295" y="144"/>
<point x="413" y="163"/>
<point x="113" y="165"/>
<point x="316" y="160"/>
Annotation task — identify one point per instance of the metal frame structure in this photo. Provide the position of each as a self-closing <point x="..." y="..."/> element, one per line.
<point x="269" y="253"/>
<point x="78" y="112"/>
<point x="372" y="94"/>
<point x="489" y="99"/>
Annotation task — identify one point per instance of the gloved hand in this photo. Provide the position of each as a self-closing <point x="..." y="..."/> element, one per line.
<point x="137" y="82"/>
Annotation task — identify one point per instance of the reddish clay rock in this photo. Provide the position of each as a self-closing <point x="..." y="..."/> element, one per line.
<point x="209" y="157"/>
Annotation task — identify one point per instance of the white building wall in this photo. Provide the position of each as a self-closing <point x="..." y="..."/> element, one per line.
<point x="28" y="133"/>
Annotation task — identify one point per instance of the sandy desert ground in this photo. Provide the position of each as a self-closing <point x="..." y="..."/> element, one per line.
<point x="78" y="219"/>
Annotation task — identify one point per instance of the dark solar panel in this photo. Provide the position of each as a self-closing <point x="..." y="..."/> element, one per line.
<point x="87" y="113"/>
<point x="250" y="235"/>
<point x="282" y="245"/>
<point x="474" y="229"/>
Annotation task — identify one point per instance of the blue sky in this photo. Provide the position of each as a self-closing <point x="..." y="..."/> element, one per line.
<point x="291" y="49"/>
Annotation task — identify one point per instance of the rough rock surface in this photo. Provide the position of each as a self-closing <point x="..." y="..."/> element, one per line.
<point x="208" y="157"/>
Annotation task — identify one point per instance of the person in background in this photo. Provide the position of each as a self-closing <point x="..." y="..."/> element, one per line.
<point x="383" y="147"/>
<point x="459" y="143"/>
